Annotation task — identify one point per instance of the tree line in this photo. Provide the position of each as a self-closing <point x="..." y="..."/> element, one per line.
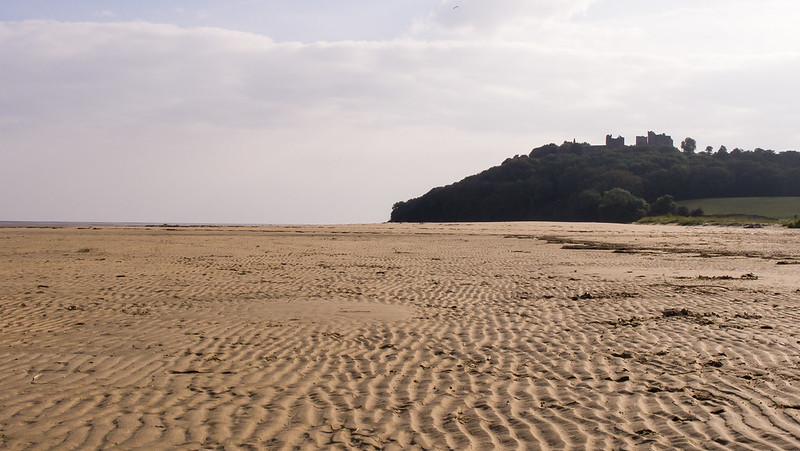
<point x="580" y="182"/>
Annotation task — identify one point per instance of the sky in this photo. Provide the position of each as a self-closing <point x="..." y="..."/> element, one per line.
<point x="325" y="112"/>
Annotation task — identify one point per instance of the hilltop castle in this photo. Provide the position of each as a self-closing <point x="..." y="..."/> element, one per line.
<point x="652" y="139"/>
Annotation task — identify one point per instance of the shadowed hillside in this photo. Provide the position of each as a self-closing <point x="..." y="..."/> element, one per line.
<point x="580" y="182"/>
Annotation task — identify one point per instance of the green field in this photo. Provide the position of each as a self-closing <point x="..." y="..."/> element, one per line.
<point x="767" y="207"/>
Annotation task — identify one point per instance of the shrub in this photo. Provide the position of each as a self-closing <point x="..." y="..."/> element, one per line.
<point x="619" y="205"/>
<point x="696" y="212"/>
<point x="664" y="205"/>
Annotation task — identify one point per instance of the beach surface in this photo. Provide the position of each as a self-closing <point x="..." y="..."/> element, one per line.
<point x="400" y="336"/>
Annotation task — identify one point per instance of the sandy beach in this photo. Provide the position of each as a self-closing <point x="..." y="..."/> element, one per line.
<point x="400" y="336"/>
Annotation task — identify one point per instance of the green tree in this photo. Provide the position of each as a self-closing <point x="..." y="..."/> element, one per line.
<point x="619" y="205"/>
<point x="586" y="205"/>
<point x="688" y="145"/>
<point x="664" y="205"/>
<point x="619" y="178"/>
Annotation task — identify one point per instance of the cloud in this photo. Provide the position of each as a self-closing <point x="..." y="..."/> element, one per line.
<point x="140" y="121"/>
<point x="133" y="75"/>
<point x="135" y="121"/>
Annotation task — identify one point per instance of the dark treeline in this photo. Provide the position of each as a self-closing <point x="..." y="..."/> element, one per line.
<point x="579" y="182"/>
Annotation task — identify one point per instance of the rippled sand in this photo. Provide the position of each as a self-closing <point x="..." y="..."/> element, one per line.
<point x="470" y="336"/>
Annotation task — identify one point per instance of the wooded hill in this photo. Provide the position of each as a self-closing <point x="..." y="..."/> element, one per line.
<point x="579" y="182"/>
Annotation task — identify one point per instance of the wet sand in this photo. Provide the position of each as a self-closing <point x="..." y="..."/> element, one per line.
<point x="400" y="336"/>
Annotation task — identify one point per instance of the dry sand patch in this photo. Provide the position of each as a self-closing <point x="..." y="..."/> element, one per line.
<point x="397" y="336"/>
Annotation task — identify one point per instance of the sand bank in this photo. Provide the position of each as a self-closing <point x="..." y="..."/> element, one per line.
<point x="470" y="336"/>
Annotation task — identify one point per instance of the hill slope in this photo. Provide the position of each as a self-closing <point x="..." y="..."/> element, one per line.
<point x="568" y="182"/>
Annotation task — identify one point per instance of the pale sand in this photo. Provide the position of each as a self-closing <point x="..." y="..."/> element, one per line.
<point x="472" y="336"/>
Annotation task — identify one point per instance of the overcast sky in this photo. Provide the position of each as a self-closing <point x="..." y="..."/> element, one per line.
<point x="309" y="111"/>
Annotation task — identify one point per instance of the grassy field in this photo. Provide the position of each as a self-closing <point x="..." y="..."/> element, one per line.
<point x="768" y="207"/>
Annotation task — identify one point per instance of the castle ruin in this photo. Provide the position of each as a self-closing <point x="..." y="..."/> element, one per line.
<point x="652" y="139"/>
<point x="660" y="140"/>
<point x="614" y="143"/>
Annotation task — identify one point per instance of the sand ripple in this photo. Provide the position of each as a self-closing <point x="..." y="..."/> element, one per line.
<point x="507" y="336"/>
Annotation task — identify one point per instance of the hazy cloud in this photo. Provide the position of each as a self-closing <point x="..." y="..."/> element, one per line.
<point x="156" y="122"/>
<point x="136" y="74"/>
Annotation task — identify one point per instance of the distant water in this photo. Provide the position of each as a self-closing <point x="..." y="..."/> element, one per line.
<point x="150" y="224"/>
<point x="105" y="224"/>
